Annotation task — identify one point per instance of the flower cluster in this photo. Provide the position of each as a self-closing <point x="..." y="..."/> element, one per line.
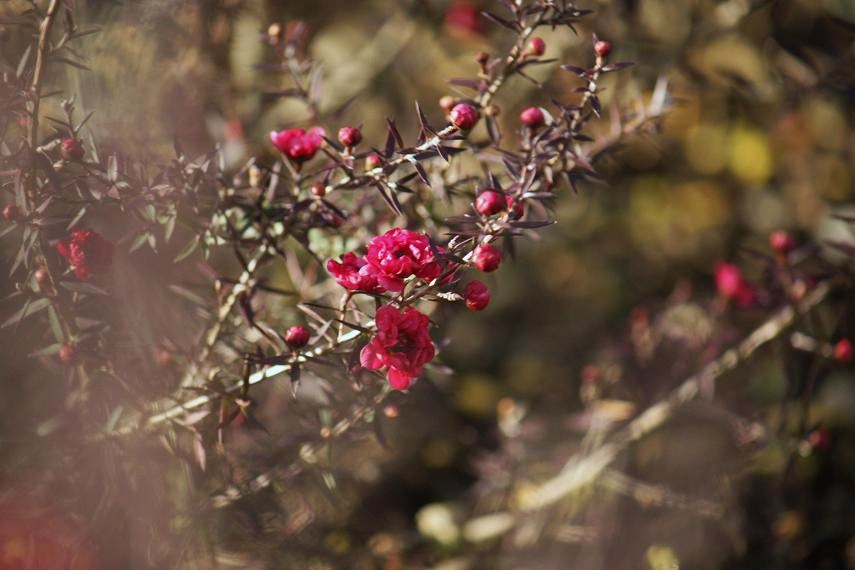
<point x="87" y="252"/>
<point x="390" y="259"/>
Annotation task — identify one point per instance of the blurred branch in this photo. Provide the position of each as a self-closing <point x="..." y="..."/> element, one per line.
<point x="584" y="469"/>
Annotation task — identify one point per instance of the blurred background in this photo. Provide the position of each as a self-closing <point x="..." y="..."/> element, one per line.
<point x="761" y="139"/>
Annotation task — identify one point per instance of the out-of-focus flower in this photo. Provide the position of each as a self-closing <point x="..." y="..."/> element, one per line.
<point x="732" y="285"/>
<point x="464" y="17"/>
<point x="87" y="253"/>
<point x="402" y="344"/>
<point x="297" y="144"/>
<point x="843" y="351"/>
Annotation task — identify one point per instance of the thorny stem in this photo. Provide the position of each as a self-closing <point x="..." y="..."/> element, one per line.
<point x="66" y="321"/>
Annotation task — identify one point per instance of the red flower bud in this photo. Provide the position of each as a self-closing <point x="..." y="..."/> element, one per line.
<point x="67" y="353"/>
<point x="782" y="242"/>
<point x="477" y="296"/>
<point x="349" y="136"/>
<point x="297" y="336"/>
<point x="532" y="117"/>
<point x="489" y="202"/>
<point x="373" y="161"/>
<point x="464" y="116"/>
<point x="516" y="207"/>
<point x="602" y="48"/>
<point x="11" y="212"/>
<point x="71" y="149"/>
<point x="819" y="439"/>
<point x="486" y="257"/>
<point x="843" y="350"/>
<point x="537" y="46"/>
<point x="41" y="275"/>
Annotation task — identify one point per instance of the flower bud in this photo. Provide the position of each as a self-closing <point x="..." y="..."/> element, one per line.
<point x="391" y="411"/>
<point x="489" y="202"/>
<point x="532" y="117"/>
<point x="843" y="351"/>
<point x="349" y="136"/>
<point x="536" y="46"/>
<point x="602" y="48"/>
<point x="319" y="190"/>
<point x="477" y="296"/>
<point x="41" y="275"/>
<point x="11" y="212"/>
<point x="486" y="257"/>
<point x="782" y="242"/>
<point x="373" y="161"/>
<point x="67" y="353"/>
<point x="516" y="207"/>
<point x="464" y="116"/>
<point x="297" y="336"/>
<point x="71" y="149"/>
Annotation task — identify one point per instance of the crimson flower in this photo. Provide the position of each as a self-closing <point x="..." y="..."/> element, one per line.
<point x="297" y="144"/>
<point x="354" y="273"/>
<point x="400" y="253"/>
<point x="732" y="285"/>
<point x="87" y="253"/>
<point x="402" y="344"/>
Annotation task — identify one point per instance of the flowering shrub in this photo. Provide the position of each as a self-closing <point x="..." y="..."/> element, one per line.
<point x="351" y="338"/>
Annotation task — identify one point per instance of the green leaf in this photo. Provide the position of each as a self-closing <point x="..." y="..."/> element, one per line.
<point x="29" y="309"/>
<point x="47" y="351"/>
<point x="187" y="249"/>
<point x="83" y="287"/>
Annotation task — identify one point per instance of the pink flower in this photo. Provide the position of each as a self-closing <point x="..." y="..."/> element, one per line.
<point x="477" y="295"/>
<point x="732" y="285"/>
<point x="402" y="344"/>
<point x="297" y="144"/>
<point x="400" y="253"/>
<point x="87" y="252"/>
<point x="354" y="273"/>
